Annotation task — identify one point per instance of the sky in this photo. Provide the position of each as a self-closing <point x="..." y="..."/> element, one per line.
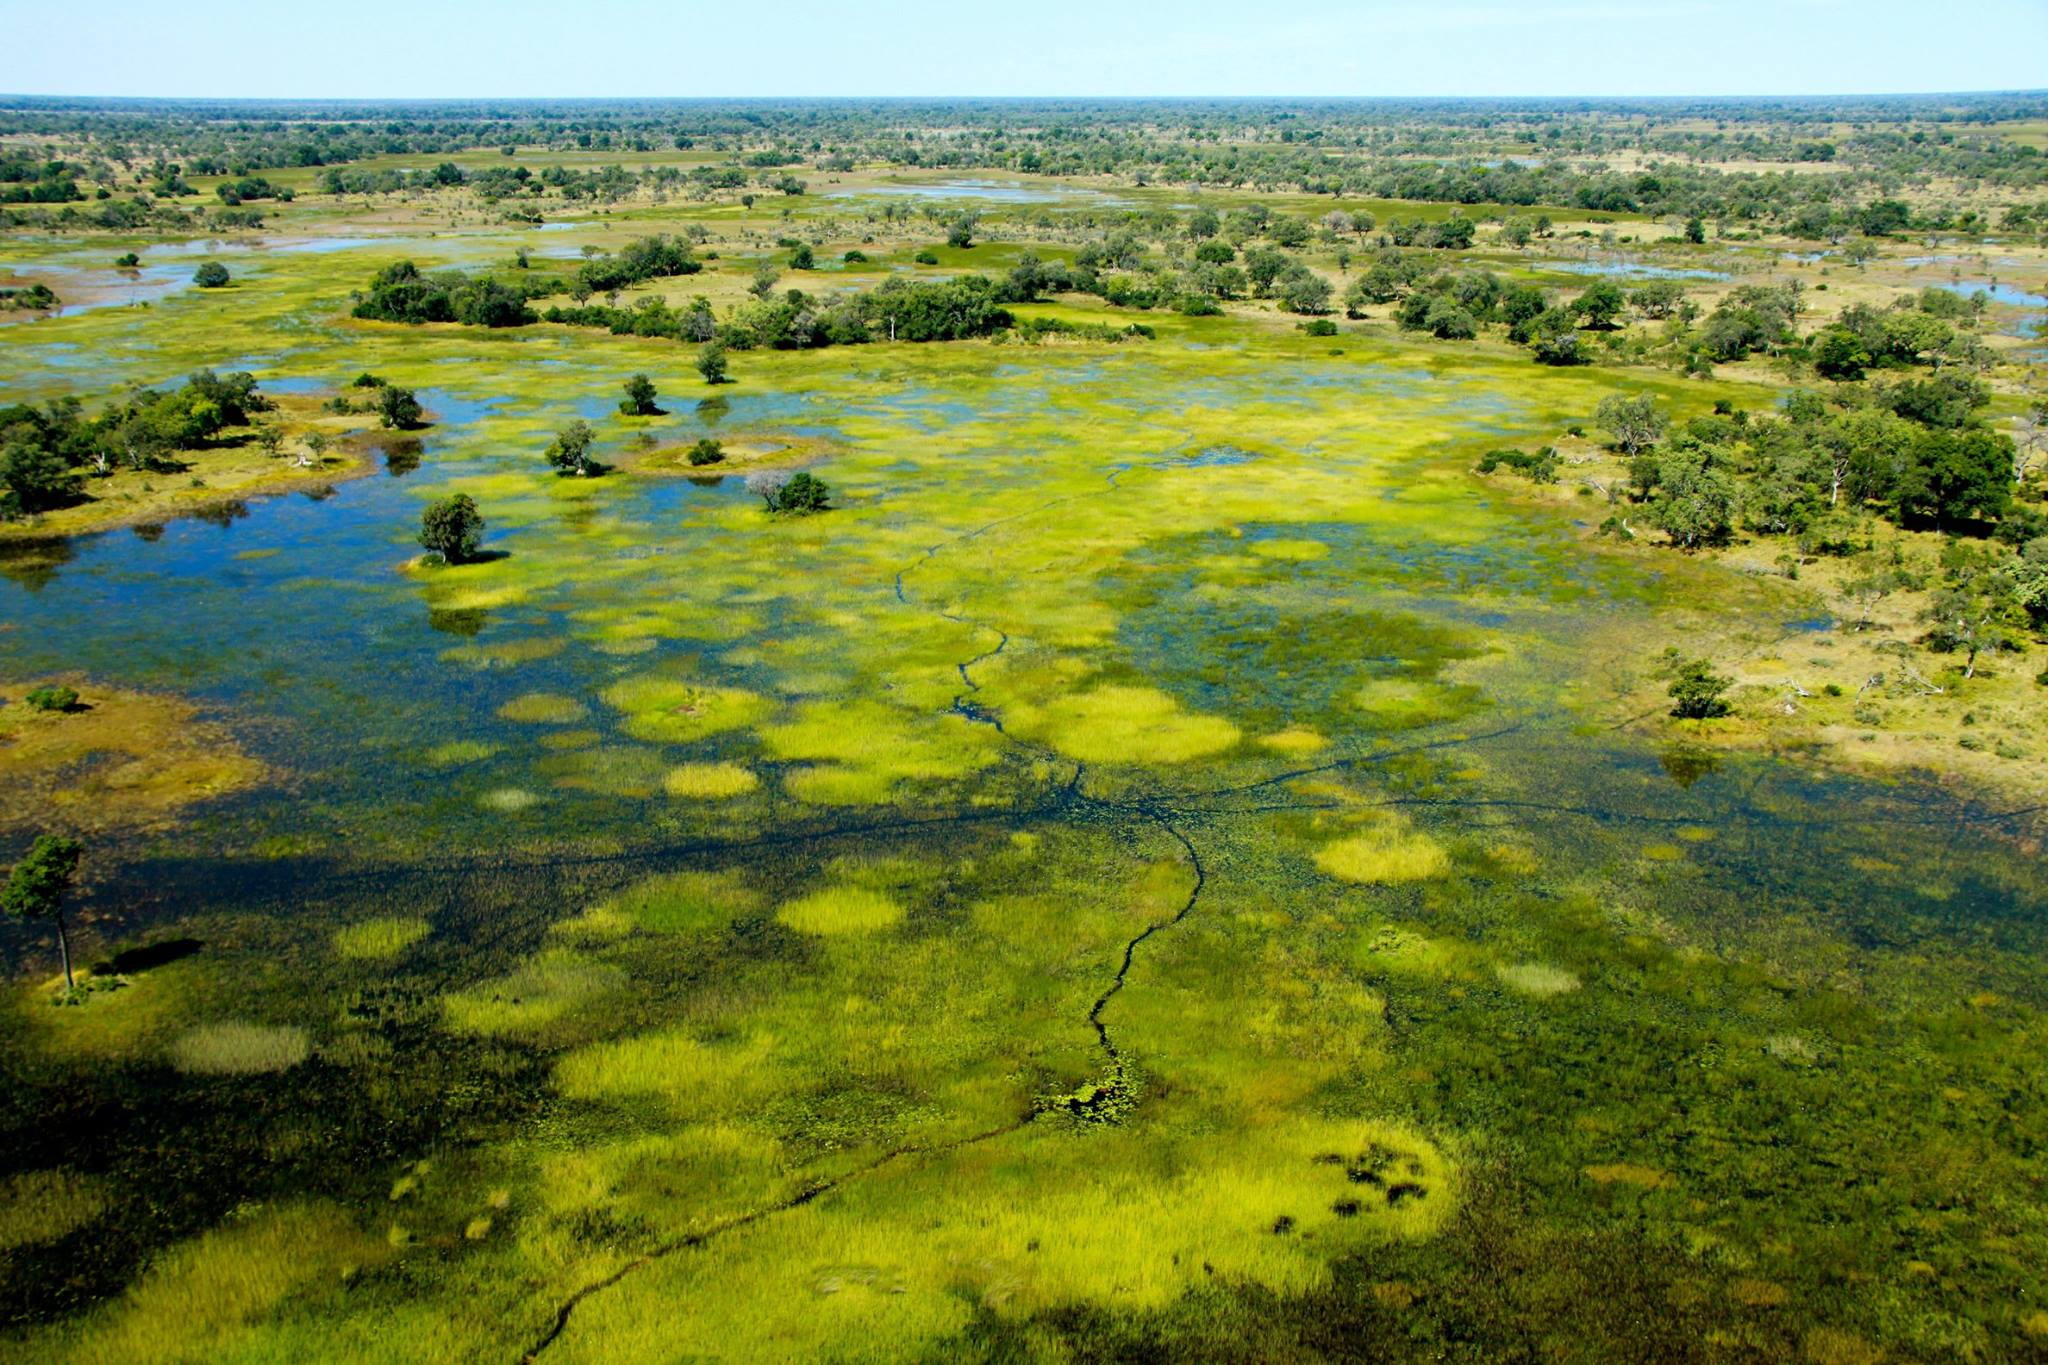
<point x="401" y="49"/>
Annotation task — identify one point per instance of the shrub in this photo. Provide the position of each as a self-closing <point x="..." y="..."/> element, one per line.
<point x="52" y="698"/>
<point x="707" y="451"/>
<point x="212" y="275"/>
<point x="1321" y="327"/>
<point x="711" y="363"/>
<point x="926" y="257"/>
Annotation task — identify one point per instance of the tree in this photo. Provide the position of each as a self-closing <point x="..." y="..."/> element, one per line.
<point x="211" y="275"/>
<point x="639" y="399"/>
<point x="802" y="258"/>
<point x="1696" y="691"/>
<point x="961" y="232"/>
<point x="1695" y="230"/>
<point x="1839" y="353"/>
<point x="707" y="451"/>
<point x="452" y="528"/>
<point x="1306" y="293"/>
<point x="398" y="408"/>
<point x="1634" y="422"/>
<point x="34" y="477"/>
<point x="711" y="363"/>
<point x="570" y="451"/>
<point x="800" y="493"/>
<point x="1554" y="337"/>
<point x="1694" y="501"/>
<point x="1600" y="305"/>
<point x="37" y="886"/>
<point x="1957" y="475"/>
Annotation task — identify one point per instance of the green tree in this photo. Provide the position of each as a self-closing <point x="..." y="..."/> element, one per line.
<point x="707" y="451"/>
<point x="1635" y="423"/>
<point x="398" y="408"/>
<point x="639" y="399"/>
<point x="711" y="363"/>
<point x="1695" y="230"/>
<point x="452" y="528"/>
<point x="1696" y="692"/>
<point x="1694" y="502"/>
<point x="803" y="258"/>
<point x="1600" y="305"/>
<point x="1839" y="353"/>
<point x="961" y="232"/>
<point x="211" y="275"/>
<point x="37" y="886"/>
<point x="1554" y="337"/>
<point x="570" y="451"/>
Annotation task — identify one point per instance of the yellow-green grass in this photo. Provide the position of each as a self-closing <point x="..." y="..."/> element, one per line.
<point x="380" y="939"/>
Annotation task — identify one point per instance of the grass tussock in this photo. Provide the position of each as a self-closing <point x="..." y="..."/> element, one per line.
<point x="841" y="910"/>
<point x="236" y="1048"/>
<point x="379" y="940"/>
<point x="1385" y="854"/>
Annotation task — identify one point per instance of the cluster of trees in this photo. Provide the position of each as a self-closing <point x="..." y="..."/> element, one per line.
<point x="25" y="179"/>
<point x="899" y="310"/>
<point x="400" y="293"/>
<point x="1916" y="452"/>
<point x="648" y="258"/>
<point x="46" y="453"/>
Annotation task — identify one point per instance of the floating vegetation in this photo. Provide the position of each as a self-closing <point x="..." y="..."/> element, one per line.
<point x="1385" y="853"/>
<point x="1537" y="979"/>
<point x="379" y="940"/>
<point x="544" y="708"/>
<point x="116" y="760"/>
<point x="239" y="1049"/>
<point x="42" y="1206"/>
<point x="840" y="910"/>
<point x="709" y="781"/>
<point x="1124" y="724"/>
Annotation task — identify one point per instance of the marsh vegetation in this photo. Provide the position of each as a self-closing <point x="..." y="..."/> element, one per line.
<point x="886" y="757"/>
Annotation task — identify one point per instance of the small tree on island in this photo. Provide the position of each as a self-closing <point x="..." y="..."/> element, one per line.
<point x="1696" y="691"/>
<point x="398" y="408"/>
<point x="37" y="886"/>
<point x="570" y="453"/>
<point x="639" y="399"/>
<point x="452" y="528"/>
<point x="800" y="493"/>
<point x="711" y="363"/>
<point x="707" y="451"/>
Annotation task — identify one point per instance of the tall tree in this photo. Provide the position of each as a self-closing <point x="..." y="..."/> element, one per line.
<point x="37" y="887"/>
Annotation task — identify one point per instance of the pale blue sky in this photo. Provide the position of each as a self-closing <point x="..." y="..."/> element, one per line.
<point x="456" y="48"/>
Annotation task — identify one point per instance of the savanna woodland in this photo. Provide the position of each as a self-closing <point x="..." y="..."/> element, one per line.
<point x="1024" y="730"/>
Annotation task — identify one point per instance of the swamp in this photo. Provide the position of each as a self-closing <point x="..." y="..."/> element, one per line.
<point x="704" y="730"/>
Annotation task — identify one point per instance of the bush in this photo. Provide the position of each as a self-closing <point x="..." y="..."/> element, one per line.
<point x="1540" y="467"/>
<point x="855" y="257"/>
<point x="926" y="257"/>
<point x="707" y="451"/>
<point x="1321" y="327"/>
<point x="452" y="528"/>
<point x="212" y="275"/>
<point x="52" y="698"/>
